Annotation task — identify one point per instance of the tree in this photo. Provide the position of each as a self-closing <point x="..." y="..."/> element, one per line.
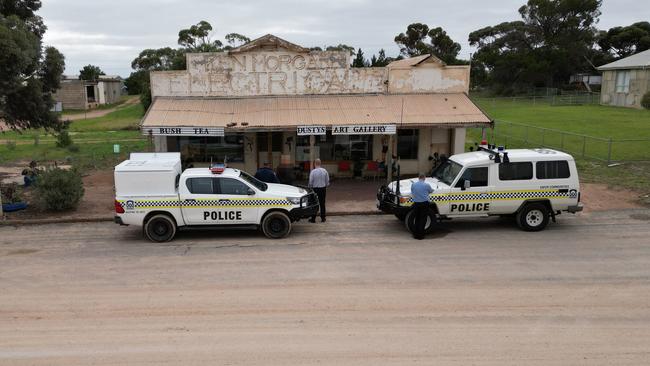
<point x="360" y="60"/>
<point x="29" y="74"/>
<point x="90" y="73"/>
<point x="341" y="47"/>
<point x="235" y="40"/>
<point x="419" y="40"/>
<point x="134" y="83"/>
<point x="553" y="40"/>
<point x="621" y="42"/>
<point x="197" y="38"/>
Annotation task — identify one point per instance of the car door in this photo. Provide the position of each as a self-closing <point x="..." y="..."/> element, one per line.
<point x="197" y="196"/>
<point x="471" y="198"/>
<point x="237" y="202"/>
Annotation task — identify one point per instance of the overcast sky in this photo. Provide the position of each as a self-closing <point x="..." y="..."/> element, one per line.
<point x="110" y="34"/>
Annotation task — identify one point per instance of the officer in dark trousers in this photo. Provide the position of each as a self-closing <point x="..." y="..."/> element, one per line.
<point x="420" y="192"/>
<point x="319" y="179"/>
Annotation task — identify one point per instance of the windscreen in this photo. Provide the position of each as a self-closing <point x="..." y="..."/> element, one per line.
<point x="447" y="172"/>
<point x="254" y="181"/>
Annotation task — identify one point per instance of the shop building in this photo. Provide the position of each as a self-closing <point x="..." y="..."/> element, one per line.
<point x="273" y="101"/>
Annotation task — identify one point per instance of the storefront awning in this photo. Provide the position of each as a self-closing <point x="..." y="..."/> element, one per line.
<point x="275" y="113"/>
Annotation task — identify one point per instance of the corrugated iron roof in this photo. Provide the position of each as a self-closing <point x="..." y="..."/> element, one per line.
<point x="282" y="112"/>
<point x="637" y="61"/>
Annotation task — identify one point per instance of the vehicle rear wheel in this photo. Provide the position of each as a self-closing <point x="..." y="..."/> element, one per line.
<point x="533" y="217"/>
<point x="160" y="228"/>
<point x="276" y="225"/>
<point x="409" y="221"/>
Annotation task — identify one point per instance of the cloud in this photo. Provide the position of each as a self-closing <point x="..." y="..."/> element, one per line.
<point x="111" y="33"/>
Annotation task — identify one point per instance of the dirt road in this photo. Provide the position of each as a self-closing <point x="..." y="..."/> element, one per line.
<point x="353" y="291"/>
<point x="95" y="113"/>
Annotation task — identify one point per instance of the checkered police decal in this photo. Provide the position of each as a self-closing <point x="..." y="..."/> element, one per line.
<point x="199" y="203"/>
<point x="493" y="196"/>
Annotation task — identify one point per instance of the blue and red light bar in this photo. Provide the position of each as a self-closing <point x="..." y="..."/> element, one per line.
<point x="218" y="168"/>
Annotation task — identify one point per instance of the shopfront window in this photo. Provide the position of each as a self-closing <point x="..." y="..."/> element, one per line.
<point x="339" y="147"/>
<point x="215" y="149"/>
<point x="407" y="144"/>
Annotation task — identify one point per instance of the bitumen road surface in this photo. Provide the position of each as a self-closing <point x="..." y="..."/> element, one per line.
<point x="356" y="290"/>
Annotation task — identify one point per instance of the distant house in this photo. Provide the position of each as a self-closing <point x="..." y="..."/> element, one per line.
<point x="626" y="81"/>
<point x="83" y="94"/>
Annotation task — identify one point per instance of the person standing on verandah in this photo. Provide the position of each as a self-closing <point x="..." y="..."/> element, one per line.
<point x="319" y="180"/>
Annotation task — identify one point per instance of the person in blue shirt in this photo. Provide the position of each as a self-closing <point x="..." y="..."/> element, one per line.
<point x="420" y="192"/>
<point x="266" y="174"/>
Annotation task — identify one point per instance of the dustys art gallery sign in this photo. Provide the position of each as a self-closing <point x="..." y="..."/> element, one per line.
<point x="311" y="130"/>
<point x="364" y="130"/>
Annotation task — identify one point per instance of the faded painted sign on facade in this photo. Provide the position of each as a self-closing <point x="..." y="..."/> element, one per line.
<point x="269" y="73"/>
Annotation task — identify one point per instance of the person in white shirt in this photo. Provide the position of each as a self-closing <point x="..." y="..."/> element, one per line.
<point x="319" y="179"/>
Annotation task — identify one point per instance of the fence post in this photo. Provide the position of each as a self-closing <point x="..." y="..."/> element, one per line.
<point x="609" y="152"/>
<point x="562" y="141"/>
<point x="584" y="145"/>
<point x="543" y="133"/>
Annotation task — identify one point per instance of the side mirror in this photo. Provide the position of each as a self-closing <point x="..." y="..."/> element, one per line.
<point x="250" y="192"/>
<point x="466" y="184"/>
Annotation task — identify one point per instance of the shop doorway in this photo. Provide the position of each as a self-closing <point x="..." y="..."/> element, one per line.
<point x="269" y="148"/>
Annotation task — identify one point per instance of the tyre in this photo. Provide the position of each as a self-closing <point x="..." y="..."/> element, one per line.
<point x="276" y="225"/>
<point x="409" y="221"/>
<point x="160" y="228"/>
<point x="533" y="217"/>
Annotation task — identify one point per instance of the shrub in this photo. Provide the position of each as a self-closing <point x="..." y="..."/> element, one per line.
<point x="11" y="193"/>
<point x="645" y="101"/>
<point x="63" y="139"/>
<point x="59" y="189"/>
<point x="73" y="148"/>
<point x="11" y="145"/>
<point x="37" y="139"/>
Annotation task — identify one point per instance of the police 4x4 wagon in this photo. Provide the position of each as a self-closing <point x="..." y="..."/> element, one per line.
<point x="152" y="192"/>
<point x="533" y="185"/>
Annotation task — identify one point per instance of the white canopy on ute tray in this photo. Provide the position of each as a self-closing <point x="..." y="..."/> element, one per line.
<point x="148" y="174"/>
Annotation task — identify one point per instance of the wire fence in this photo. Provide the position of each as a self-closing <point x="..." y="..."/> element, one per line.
<point x="563" y="99"/>
<point x="608" y="150"/>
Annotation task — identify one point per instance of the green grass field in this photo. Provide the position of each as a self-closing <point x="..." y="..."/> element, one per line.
<point x="94" y="137"/>
<point x="600" y="122"/>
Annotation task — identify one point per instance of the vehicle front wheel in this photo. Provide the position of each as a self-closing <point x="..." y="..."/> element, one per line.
<point x="160" y="228"/>
<point x="276" y="225"/>
<point x="409" y="221"/>
<point x="533" y="217"/>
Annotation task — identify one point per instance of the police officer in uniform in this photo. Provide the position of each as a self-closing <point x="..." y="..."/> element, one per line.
<point x="420" y="192"/>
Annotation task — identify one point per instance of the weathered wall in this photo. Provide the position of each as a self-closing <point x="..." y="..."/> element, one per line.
<point x="268" y="73"/>
<point x="285" y="72"/>
<point x="639" y="85"/>
<point x="72" y="95"/>
<point x="429" y="78"/>
<point x="112" y="91"/>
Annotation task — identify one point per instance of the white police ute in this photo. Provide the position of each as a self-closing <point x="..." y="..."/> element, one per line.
<point x="151" y="191"/>
<point x="531" y="185"/>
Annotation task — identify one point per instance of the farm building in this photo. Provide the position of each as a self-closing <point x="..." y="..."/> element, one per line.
<point x="84" y="94"/>
<point x="272" y="101"/>
<point x="625" y="81"/>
